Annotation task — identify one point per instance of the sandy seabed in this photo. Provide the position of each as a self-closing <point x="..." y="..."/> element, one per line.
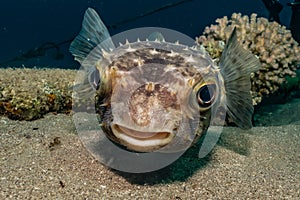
<point x="45" y="159"/>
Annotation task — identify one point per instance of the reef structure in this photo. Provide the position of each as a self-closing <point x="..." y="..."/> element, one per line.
<point x="278" y="52"/>
<point x="28" y="94"/>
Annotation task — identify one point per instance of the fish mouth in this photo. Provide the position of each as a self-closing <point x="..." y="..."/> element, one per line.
<point x="141" y="141"/>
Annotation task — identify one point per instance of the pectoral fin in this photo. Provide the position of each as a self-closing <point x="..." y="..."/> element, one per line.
<point x="93" y="34"/>
<point x="236" y="64"/>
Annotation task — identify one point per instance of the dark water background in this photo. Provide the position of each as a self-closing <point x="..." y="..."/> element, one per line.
<point x="26" y="25"/>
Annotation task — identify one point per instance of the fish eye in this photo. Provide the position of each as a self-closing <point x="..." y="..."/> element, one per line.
<point x="206" y="95"/>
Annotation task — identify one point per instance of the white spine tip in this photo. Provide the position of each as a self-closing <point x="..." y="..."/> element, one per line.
<point x="104" y="53"/>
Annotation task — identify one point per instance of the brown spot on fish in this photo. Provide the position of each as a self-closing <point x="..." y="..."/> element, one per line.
<point x="147" y="101"/>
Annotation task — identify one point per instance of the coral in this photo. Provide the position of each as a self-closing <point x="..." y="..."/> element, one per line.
<point x="27" y="94"/>
<point x="278" y="52"/>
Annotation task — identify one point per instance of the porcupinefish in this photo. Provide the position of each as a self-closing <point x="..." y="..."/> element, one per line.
<point x="155" y="94"/>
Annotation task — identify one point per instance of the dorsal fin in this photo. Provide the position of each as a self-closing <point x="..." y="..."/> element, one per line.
<point x="156" y="36"/>
<point x="236" y="64"/>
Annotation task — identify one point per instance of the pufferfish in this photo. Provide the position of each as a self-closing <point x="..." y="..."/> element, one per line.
<point x="156" y="95"/>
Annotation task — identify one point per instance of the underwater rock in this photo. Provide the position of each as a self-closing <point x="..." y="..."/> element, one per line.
<point x="278" y="52"/>
<point x="27" y="94"/>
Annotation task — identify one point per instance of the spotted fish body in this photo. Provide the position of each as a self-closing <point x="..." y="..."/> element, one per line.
<point x="155" y="95"/>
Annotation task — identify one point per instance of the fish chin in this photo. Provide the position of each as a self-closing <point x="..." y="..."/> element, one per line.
<point x="141" y="141"/>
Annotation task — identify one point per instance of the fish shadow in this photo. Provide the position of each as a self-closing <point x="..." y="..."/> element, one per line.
<point x="189" y="163"/>
<point x="236" y="140"/>
<point x="180" y="170"/>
